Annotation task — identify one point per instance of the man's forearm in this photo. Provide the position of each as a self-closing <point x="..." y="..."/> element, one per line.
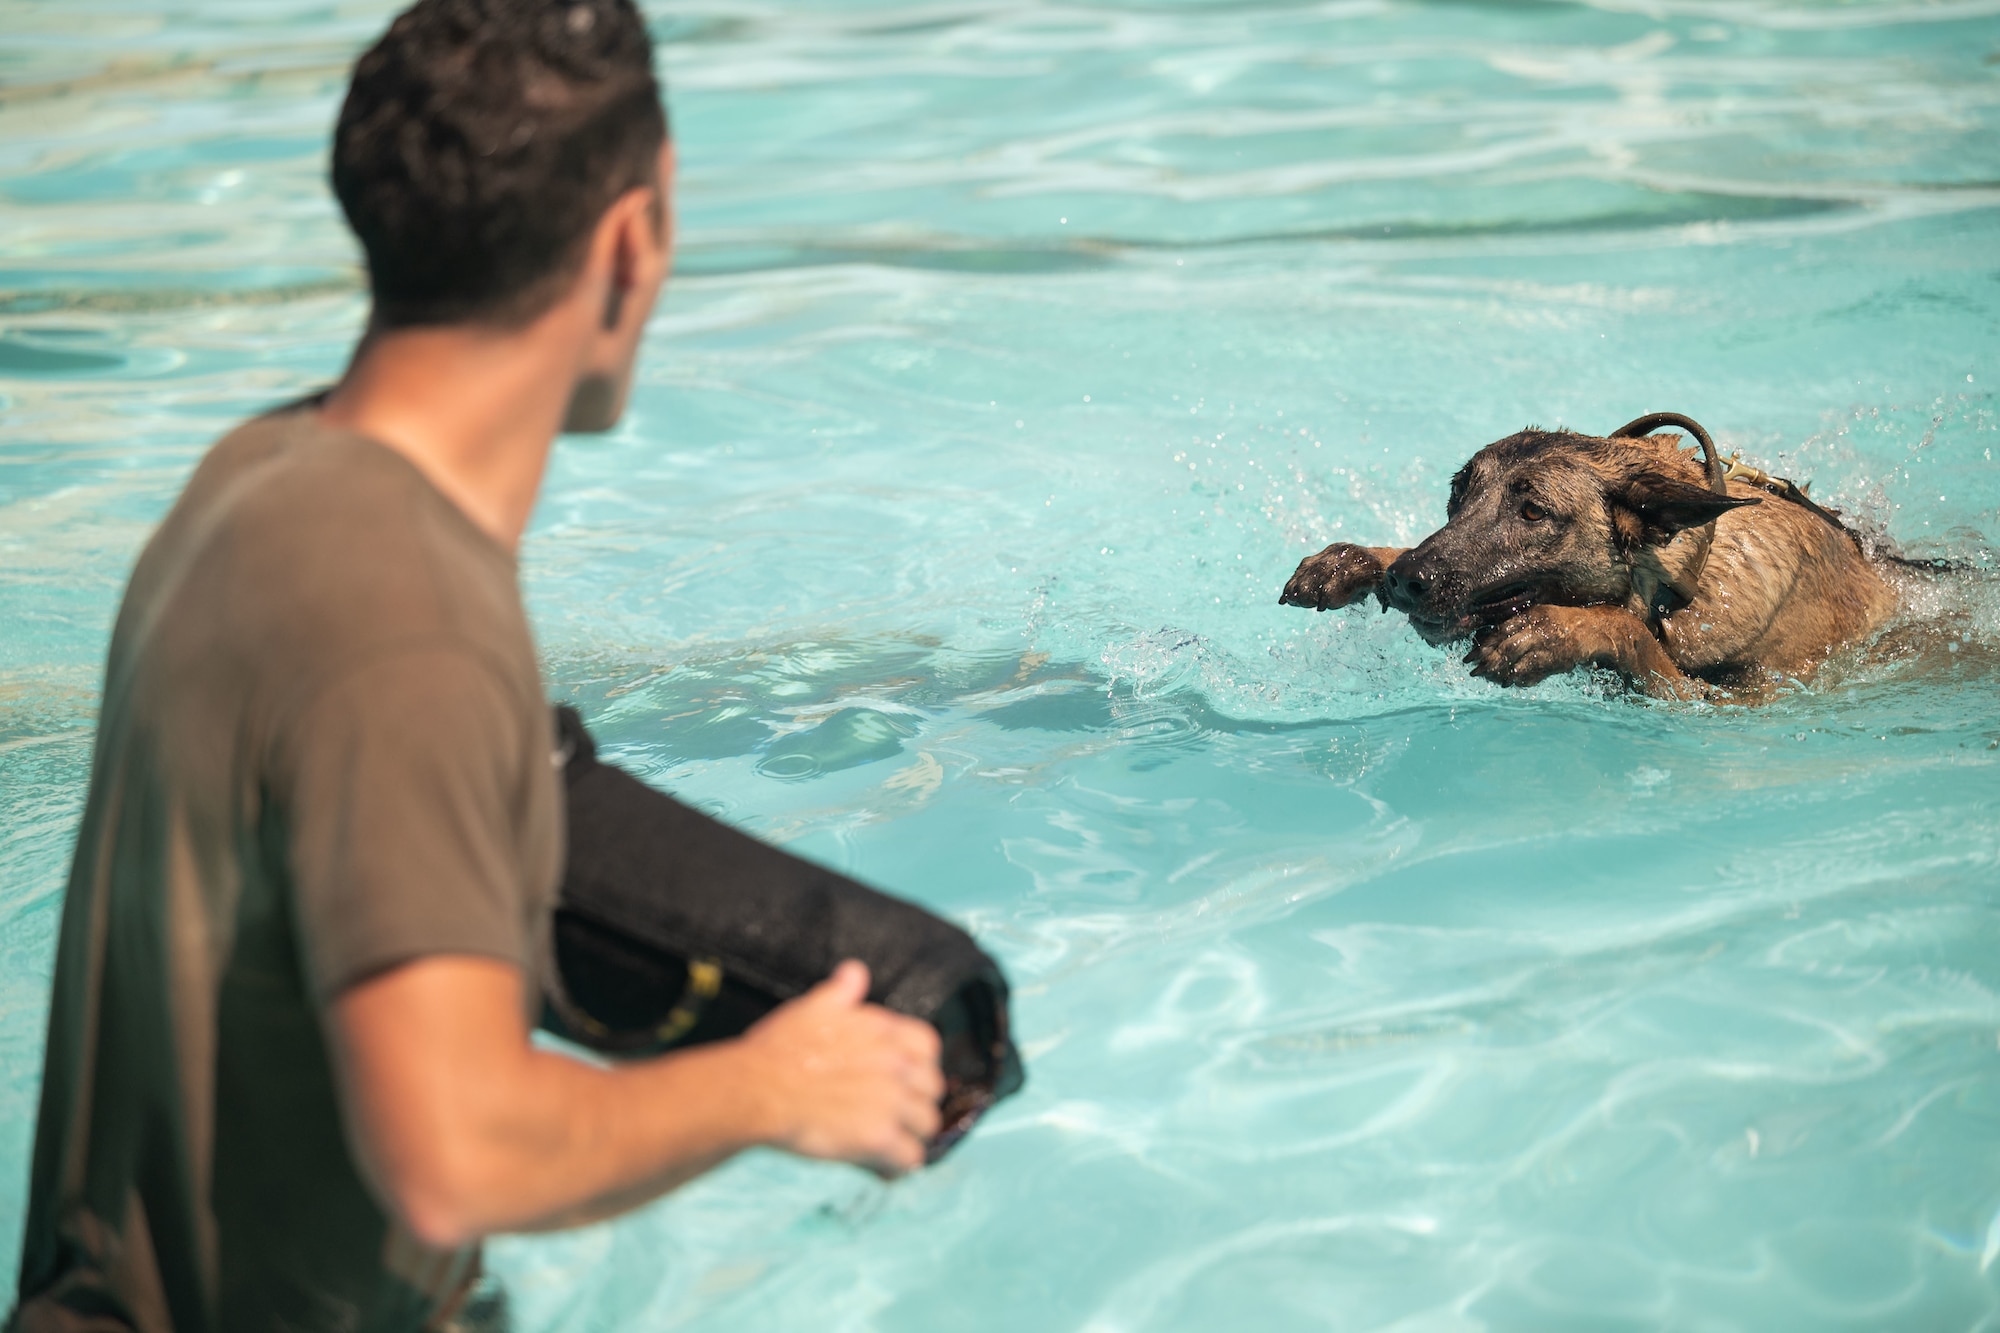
<point x="464" y="1128"/>
<point x="577" y="1144"/>
<point x="482" y="1132"/>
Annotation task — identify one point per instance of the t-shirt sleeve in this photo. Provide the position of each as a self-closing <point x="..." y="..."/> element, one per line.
<point x="403" y="790"/>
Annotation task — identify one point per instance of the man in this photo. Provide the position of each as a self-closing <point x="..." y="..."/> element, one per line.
<point x="289" y="1080"/>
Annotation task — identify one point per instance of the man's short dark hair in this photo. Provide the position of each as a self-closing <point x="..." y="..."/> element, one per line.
<point x="481" y="142"/>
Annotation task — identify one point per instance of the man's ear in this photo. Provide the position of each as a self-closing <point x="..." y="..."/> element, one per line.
<point x="627" y="221"/>
<point x="1651" y="508"/>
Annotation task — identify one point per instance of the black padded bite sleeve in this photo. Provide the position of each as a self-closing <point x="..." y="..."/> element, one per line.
<point x="673" y="928"/>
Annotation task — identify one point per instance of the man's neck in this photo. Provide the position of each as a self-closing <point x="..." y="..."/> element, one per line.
<point x="476" y="411"/>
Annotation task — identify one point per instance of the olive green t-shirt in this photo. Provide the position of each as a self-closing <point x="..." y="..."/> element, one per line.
<point x="324" y="751"/>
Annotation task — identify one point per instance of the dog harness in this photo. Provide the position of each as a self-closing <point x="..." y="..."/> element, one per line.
<point x="1720" y="473"/>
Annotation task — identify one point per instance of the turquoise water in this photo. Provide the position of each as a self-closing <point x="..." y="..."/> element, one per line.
<point x="1017" y="352"/>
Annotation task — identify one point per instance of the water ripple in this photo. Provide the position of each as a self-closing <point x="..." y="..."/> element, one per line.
<point x="1016" y="354"/>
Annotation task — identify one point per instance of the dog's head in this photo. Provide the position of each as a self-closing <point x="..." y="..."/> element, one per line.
<point x="1547" y="517"/>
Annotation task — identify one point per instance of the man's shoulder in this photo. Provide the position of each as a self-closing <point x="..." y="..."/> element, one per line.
<point x="301" y="483"/>
<point x="297" y="545"/>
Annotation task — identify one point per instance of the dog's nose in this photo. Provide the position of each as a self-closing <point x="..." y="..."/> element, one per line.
<point x="1404" y="584"/>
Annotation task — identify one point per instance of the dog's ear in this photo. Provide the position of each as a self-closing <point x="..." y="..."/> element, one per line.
<point x="1650" y="508"/>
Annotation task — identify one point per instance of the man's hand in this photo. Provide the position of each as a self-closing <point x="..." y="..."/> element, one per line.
<point x="849" y="1081"/>
<point x="464" y="1128"/>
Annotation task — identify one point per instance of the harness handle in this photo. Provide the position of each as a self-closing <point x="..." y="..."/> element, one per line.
<point x="1711" y="461"/>
<point x="1689" y="583"/>
<point x="1720" y="472"/>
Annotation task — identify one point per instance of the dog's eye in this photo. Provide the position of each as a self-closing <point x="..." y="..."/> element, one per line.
<point x="1533" y="512"/>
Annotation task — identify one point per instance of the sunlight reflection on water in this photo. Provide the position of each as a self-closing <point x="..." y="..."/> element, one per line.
<point x="1016" y="355"/>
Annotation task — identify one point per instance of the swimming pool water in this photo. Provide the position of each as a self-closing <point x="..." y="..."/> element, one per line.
<point x="1016" y="354"/>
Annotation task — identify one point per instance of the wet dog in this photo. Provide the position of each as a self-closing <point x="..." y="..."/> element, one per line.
<point x="1562" y="550"/>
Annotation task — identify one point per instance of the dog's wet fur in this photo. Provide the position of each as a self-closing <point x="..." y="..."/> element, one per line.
<point x="1562" y="550"/>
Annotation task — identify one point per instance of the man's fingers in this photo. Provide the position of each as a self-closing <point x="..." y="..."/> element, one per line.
<point x="918" y="1038"/>
<point x="926" y="1080"/>
<point x="903" y="1138"/>
<point x="867" y="1082"/>
<point x="848" y="985"/>
<point x="916" y="1048"/>
<point x="922" y="1120"/>
<point x="897" y="1158"/>
<point x="920" y="1123"/>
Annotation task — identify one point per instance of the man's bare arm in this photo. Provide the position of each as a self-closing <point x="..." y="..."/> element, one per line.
<point x="464" y="1128"/>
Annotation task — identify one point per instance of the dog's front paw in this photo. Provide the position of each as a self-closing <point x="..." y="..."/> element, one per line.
<point x="1340" y="574"/>
<point x="1545" y="641"/>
